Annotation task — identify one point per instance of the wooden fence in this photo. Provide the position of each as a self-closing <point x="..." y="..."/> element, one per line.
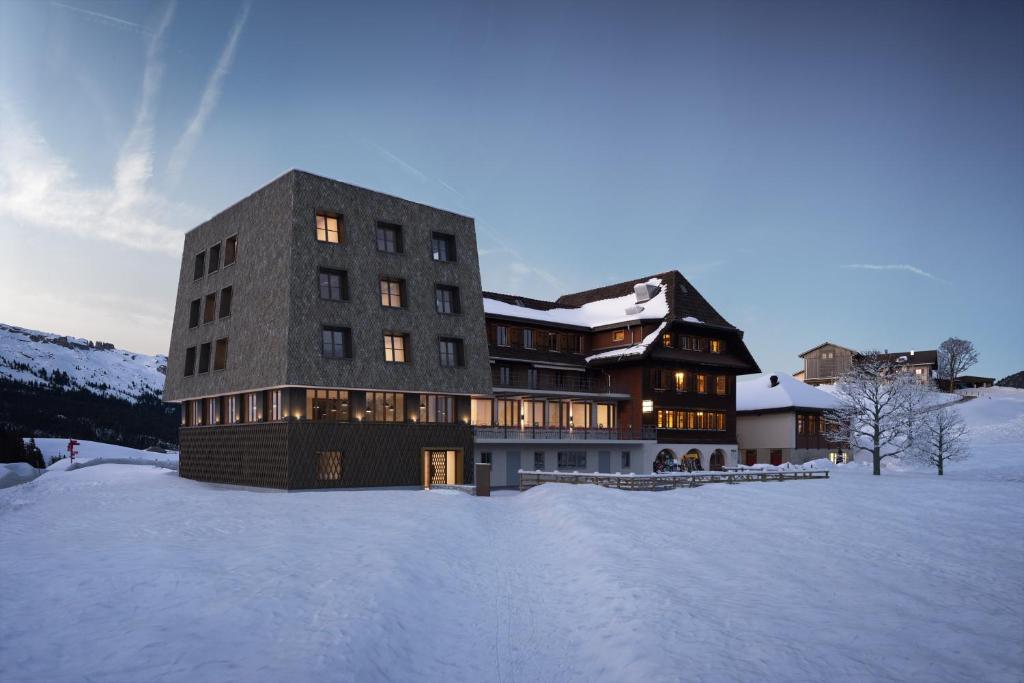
<point x="661" y="482"/>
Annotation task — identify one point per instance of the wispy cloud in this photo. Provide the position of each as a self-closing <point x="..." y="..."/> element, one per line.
<point x="211" y="94"/>
<point x="106" y="19"/>
<point x="894" y="266"/>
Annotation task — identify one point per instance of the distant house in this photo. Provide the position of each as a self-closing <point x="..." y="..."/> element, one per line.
<point x="974" y="382"/>
<point x="923" y="365"/>
<point x="827" y="362"/>
<point x="781" y="419"/>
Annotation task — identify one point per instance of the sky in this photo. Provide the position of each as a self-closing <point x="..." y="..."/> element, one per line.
<point x="851" y="172"/>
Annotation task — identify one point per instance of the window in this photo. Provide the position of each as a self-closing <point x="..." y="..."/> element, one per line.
<point x="337" y="342"/>
<point x="385" y="406"/>
<point x="721" y="385"/>
<point x="702" y="384"/>
<point x="666" y="340"/>
<point x="214" y="258"/>
<point x="328" y="465"/>
<point x="485" y="458"/>
<point x="481" y="412"/>
<point x="394" y="348"/>
<point x="276" y="405"/>
<point x="329" y="228"/>
<point x="197" y="412"/>
<point x="657" y="379"/>
<point x="508" y="413"/>
<point x="437" y="408"/>
<point x="811" y="424"/>
<point x="528" y="339"/>
<point x="626" y="460"/>
<point x="210" y="308"/>
<point x="230" y="250"/>
<point x="446" y="299"/>
<point x="389" y="238"/>
<point x="391" y="293"/>
<point x="504" y="375"/>
<point x="680" y="381"/>
<point x="213" y="411"/>
<point x="618" y="335"/>
<point x="190" y="361"/>
<point x="801" y="424"/>
<point x="204" y="358"/>
<point x="568" y="460"/>
<point x="442" y="246"/>
<point x="531" y="378"/>
<point x="501" y="335"/>
<point x="716" y="346"/>
<point x="225" y="302"/>
<point x="327" y="405"/>
<point x="821" y="424"/>
<point x="333" y="284"/>
<point x="605" y="415"/>
<point x="253" y="406"/>
<point x="232" y="410"/>
<point x="193" y="313"/>
<point x="200" y="267"/>
<point x="538" y="461"/>
<point x="450" y="352"/>
<point x="220" y="354"/>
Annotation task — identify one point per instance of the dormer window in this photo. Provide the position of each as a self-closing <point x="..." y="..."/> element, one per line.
<point x="618" y="335"/>
<point x="666" y="340"/>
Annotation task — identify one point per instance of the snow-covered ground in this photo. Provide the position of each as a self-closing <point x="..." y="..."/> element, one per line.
<point x="128" y="573"/>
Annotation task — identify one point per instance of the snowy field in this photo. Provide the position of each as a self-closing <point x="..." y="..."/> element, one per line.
<point x="128" y="573"/>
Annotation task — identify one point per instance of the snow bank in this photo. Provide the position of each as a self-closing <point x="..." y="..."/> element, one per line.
<point x="593" y="314"/>
<point x="15" y="473"/>
<point x="96" y="453"/>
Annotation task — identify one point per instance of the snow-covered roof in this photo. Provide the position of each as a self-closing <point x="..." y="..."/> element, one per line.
<point x="593" y="314"/>
<point x="634" y="350"/>
<point x="757" y="393"/>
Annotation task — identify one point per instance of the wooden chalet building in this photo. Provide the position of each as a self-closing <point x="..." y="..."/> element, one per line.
<point x="609" y="380"/>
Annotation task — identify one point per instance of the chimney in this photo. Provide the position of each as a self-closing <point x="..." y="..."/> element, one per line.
<point x="774" y="380"/>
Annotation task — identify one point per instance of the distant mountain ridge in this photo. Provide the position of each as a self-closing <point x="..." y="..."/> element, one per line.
<point x="31" y="356"/>
<point x="54" y="385"/>
<point x="1016" y="380"/>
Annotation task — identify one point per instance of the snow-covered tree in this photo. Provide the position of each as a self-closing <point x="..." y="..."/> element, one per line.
<point x="956" y="356"/>
<point x="941" y="437"/>
<point x="876" y="403"/>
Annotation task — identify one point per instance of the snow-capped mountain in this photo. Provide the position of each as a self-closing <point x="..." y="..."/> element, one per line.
<point x="35" y="357"/>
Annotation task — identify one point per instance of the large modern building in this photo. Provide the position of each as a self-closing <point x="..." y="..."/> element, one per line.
<point x="327" y="335"/>
<point x="331" y="336"/>
<point x="610" y="380"/>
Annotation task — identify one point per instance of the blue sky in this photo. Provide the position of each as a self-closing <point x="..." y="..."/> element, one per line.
<point x="842" y="171"/>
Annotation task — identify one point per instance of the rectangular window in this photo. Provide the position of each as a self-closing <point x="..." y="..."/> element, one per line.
<point x="626" y="460"/>
<point x="437" y="408"/>
<point x="190" y="361"/>
<point x="720" y="420"/>
<point x="481" y="412"/>
<point x="328" y="405"/>
<point x="230" y="250"/>
<point x="193" y="313"/>
<point x="508" y="413"/>
<point x="337" y="342"/>
<point x="504" y="375"/>
<point x="531" y="378"/>
<point x="200" y="267"/>
<point x="446" y="299"/>
<point x="197" y="413"/>
<point x="721" y="385"/>
<point x="450" y="353"/>
<point x="702" y="383"/>
<point x="666" y="340"/>
<point x="572" y="460"/>
<point x="811" y="423"/>
<point x="717" y="346"/>
<point x="391" y="293"/>
<point x="204" y="358"/>
<point x="333" y="284"/>
<point x="442" y="247"/>
<point x="538" y="461"/>
<point x="501" y="335"/>
<point x="328" y="465"/>
<point x="225" y="302"/>
<point x="276" y="405"/>
<point x="528" y="339"/>
<point x="821" y="424"/>
<point x="212" y="411"/>
<point x="394" y="348"/>
<point x="253" y="407"/>
<point x="329" y="228"/>
<point x="680" y="381"/>
<point x="801" y="424"/>
<point x="385" y="406"/>
<point x="214" y="258"/>
<point x="389" y="238"/>
<point x="220" y="354"/>
<point x="618" y="335"/>
<point x="210" y="308"/>
<point x="232" y="410"/>
<point x="485" y="458"/>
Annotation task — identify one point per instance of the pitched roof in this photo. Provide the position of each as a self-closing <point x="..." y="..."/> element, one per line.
<point x="913" y="357"/>
<point x="756" y="394"/>
<point x="828" y="343"/>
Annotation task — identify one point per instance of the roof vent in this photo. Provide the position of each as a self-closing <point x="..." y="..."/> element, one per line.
<point x="634" y="310"/>
<point x="774" y="379"/>
<point x="645" y="291"/>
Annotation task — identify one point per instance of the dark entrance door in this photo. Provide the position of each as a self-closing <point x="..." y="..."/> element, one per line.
<point x="717" y="461"/>
<point x="512" y="465"/>
<point x="604" y="461"/>
<point x="751" y="457"/>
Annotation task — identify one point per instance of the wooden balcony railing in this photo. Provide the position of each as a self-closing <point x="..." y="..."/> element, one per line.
<point x="565" y="433"/>
<point x="547" y="382"/>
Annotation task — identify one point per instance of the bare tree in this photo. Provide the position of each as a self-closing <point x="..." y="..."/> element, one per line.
<point x="941" y="438"/>
<point x="956" y="356"/>
<point x="874" y="412"/>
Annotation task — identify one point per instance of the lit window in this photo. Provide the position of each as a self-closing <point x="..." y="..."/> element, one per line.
<point x="618" y="335"/>
<point x="666" y="340"/>
<point x="451" y="353"/>
<point x="232" y="410"/>
<point x="391" y="293"/>
<point x="442" y="247"/>
<point x="721" y="385"/>
<point x="327" y="405"/>
<point x="333" y="284"/>
<point x="481" y="412"/>
<point x="702" y="384"/>
<point x="446" y="299"/>
<point x="276" y="405"/>
<point x="225" y="303"/>
<point x="716" y="346"/>
<point x="328" y="228"/>
<point x="384" y="406"/>
<point x="389" y="238"/>
<point x="328" y="465"/>
<point x="394" y="348"/>
<point x="680" y="381"/>
<point x="252" y="407"/>
<point x="437" y="408"/>
<point x="336" y="342"/>
<point x="213" y="411"/>
<point x="220" y="354"/>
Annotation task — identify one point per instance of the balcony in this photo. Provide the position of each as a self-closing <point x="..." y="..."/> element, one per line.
<point x="563" y="434"/>
<point x="577" y="383"/>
